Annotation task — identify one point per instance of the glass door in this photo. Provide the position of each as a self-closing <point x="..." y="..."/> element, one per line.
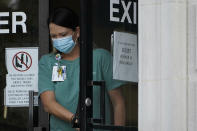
<point x="109" y="65"/>
<point x="18" y="28"/>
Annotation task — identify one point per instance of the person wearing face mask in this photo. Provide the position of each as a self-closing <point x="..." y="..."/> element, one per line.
<point x="58" y="82"/>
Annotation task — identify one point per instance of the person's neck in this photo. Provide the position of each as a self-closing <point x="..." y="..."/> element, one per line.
<point x="74" y="54"/>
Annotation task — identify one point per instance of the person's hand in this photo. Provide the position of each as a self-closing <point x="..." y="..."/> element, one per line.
<point x="74" y="120"/>
<point x="78" y="129"/>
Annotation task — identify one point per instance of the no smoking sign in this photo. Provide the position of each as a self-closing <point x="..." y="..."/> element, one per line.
<point x="22" y="67"/>
<point x="22" y="61"/>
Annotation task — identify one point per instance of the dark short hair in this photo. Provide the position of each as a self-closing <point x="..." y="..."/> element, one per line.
<point x="64" y="17"/>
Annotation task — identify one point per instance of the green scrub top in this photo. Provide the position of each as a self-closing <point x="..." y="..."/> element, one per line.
<point x="67" y="92"/>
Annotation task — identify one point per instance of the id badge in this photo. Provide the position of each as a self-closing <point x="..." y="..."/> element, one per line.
<point x="57" y="75"/>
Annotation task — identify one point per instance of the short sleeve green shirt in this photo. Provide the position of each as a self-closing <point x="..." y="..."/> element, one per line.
<point x="67" y="92"/>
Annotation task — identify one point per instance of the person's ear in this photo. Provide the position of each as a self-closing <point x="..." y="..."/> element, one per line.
<point x="78" y="31"/>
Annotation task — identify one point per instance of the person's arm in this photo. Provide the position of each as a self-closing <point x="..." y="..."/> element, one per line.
<point x="118" y="104"/>
<point x="51" y="106"/>
<point x="113" y="87"/>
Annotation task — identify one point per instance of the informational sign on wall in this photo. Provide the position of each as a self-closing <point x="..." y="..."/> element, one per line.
<point x="22" y="66"/>
<point x="125" y="56"/>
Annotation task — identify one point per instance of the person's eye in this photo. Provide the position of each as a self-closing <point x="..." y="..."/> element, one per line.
<point x="53" y="36"/>
<point x="63" y="34"/>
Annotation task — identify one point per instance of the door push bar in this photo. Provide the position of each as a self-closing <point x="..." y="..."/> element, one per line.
<point x="102" y="101"/>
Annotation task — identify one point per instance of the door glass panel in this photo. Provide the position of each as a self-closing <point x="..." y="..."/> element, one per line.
<point x="17" y="117"/>
<point x="115" y="31"/>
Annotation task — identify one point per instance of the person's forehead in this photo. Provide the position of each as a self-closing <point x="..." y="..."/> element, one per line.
<point x="58" y="29"/>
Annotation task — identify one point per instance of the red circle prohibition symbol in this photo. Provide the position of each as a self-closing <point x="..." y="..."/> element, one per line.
<point x="17" y="58"/>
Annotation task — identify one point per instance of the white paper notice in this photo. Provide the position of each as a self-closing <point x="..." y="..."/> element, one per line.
<point x="125" y="57"/>
<point x="22" y="66"/>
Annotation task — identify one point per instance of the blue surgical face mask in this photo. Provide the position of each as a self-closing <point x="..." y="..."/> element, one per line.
<point x="64" y="45"/>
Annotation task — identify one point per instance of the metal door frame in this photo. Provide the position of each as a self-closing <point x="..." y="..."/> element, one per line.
<point x="43" y="117"/>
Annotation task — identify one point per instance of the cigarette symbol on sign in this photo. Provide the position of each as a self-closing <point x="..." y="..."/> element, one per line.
<point x="22" y="61"/>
